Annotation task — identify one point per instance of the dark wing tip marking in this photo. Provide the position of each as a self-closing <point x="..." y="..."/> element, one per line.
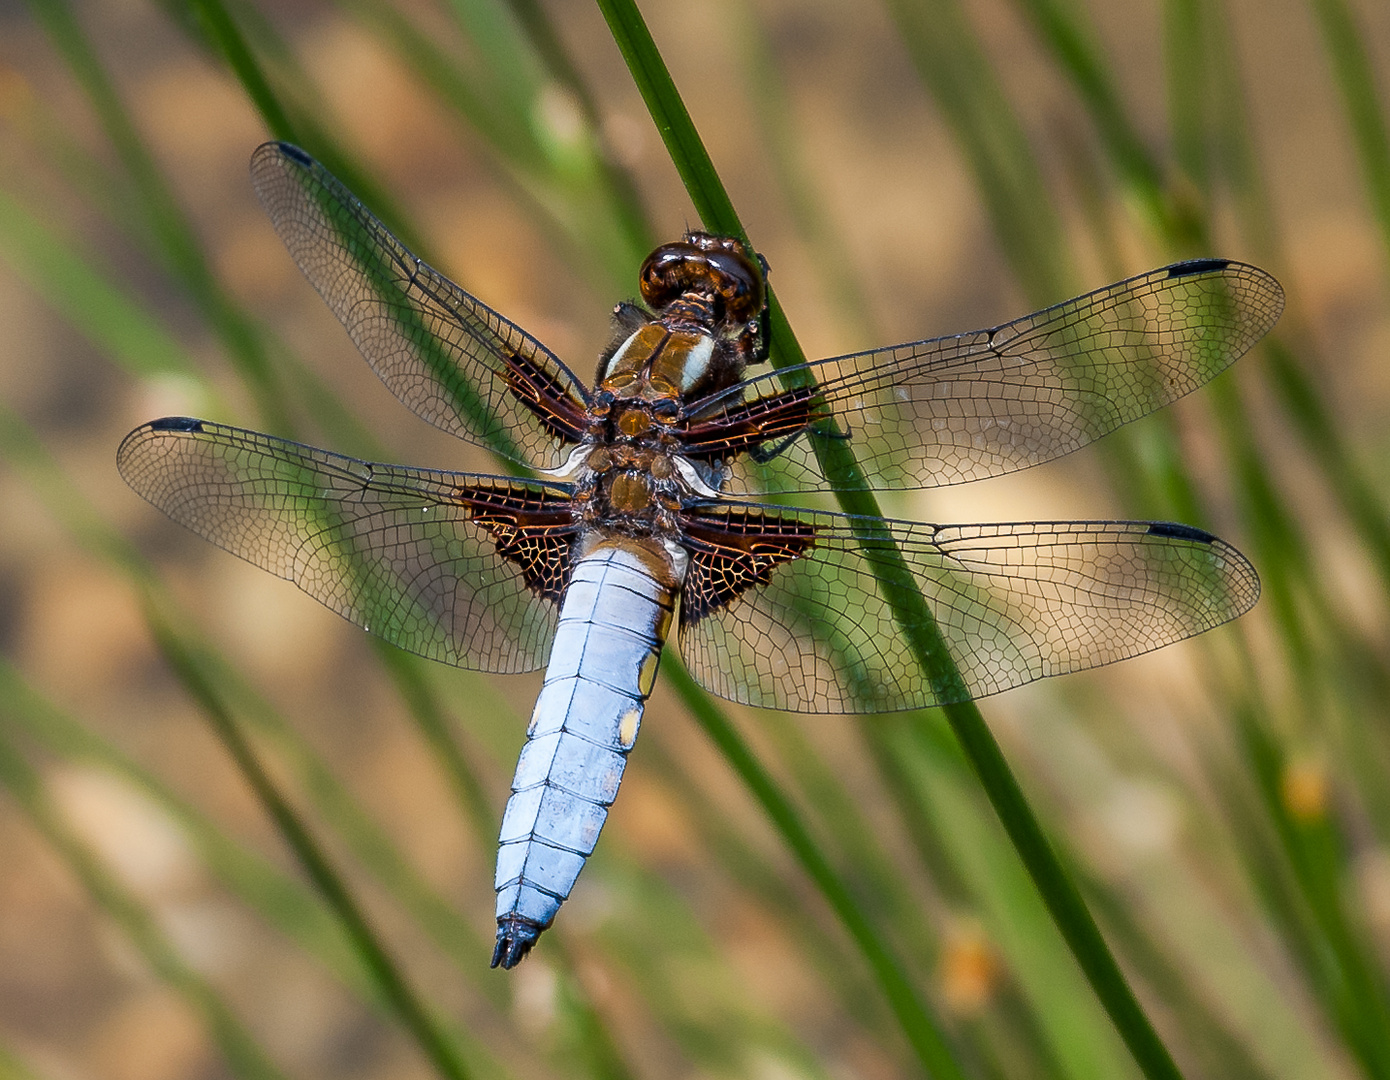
<point x="1245" y="580"/>
<point x="1180" y="532"/>
<point x="175" y="423"/>
<point x="293" y="152"/>
<point x="1197" y="266"/>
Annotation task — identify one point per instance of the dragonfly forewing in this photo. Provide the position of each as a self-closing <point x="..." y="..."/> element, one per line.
<point x="445" y="354"/>
<point x="954" y="409"/>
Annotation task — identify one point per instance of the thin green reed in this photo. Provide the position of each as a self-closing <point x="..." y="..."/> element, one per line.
<point x="283" y="901"/>
<point x="1317" y="847"/>
<point x="72" y="281"/>
<point x="1212" y="142"/>
<point x="159" y="208"/>
<point x="836" y="458"/>
<point x="415" y="1014"/>
<point x="139" y="925"/>
<point x="1345" y="41"/>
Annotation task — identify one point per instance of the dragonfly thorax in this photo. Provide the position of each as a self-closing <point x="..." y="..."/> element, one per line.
<point x="632" y="488"/>
<point x="661" y="362"/>
<point x="708" y="294"/>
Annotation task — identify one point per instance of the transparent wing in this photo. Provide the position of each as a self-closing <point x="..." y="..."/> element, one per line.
<point x="963" y="408"/>
<point x="1014" y="602"/>
<point x="446" y="355"/>
<point x="404" y="553"/>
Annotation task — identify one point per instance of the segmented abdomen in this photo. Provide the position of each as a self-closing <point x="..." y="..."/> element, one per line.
<point x="614" y="618"/>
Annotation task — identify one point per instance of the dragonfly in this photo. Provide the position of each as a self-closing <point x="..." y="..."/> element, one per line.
<point x="663" y="494"/>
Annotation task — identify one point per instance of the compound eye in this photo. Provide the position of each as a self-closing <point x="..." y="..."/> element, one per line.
<point x="668" y="271"/>
<point x="715" y="267"/>
<point x="740" y="284"/>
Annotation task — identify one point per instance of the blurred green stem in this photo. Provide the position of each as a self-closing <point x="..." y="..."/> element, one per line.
<point x="921" y="1028"/>
<point x="1351" y="64"/>
<point x="244" y="1056"/>
<point x="387" y="976"/>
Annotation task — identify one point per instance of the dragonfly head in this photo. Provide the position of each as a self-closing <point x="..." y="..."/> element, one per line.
<point x="720" y="273"/>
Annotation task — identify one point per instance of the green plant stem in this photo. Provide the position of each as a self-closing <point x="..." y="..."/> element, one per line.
<point x="243" y="1054"/>
<point x="1346" y="47"/>
<point x="175" y="240"/>
<point x="837" y="461"/>
<point x="1063" y="901"/>
<point x="282" y="900"/>
<point x="922" y="1029"/>
<point x="217" y="24"/>
<point x="955" y="69"/>
<point x="383" y="970"/>
<point x="1324" y="437"/>
<point x="1314" y="852"/>
<point x="301" y="126"/>
<point x="429" y="715"/>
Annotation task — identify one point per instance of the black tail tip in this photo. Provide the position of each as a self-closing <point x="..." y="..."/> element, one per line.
<point x="515" y="936"/>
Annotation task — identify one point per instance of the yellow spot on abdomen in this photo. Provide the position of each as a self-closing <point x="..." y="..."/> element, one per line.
<point x="627" y="728"/>
<point x="646" y="678"/>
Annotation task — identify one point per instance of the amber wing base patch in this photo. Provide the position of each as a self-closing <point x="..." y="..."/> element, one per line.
<point x="751" y="424"/>
<point x="733" y="550"/>
<point x="559" y="412"/>
<point x="533" y="530"/>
